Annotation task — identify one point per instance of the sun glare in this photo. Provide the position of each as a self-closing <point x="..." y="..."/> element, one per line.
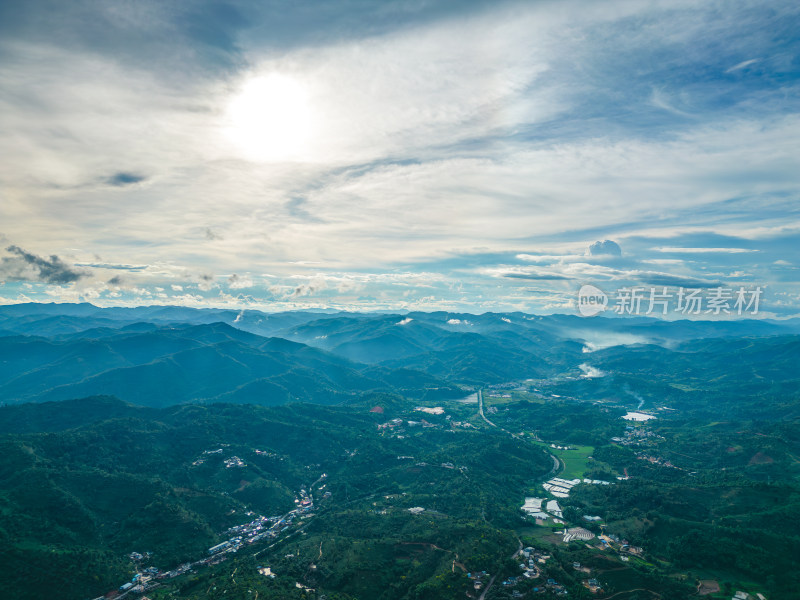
<point x="270" y="119"/>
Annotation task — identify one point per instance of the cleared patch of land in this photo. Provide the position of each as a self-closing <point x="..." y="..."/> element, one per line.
<point x="575" y="459"/>
<point x="707" y="586"/>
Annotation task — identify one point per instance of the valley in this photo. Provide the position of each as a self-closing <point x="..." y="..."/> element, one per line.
<point x="391" y="479"/>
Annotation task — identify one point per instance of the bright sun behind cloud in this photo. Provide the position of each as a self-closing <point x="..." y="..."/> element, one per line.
<point x="270" y="119"/>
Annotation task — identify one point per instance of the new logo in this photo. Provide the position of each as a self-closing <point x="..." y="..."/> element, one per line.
<point x="591" y="300"/>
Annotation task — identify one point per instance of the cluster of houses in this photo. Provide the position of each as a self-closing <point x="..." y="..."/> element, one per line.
<point x="531" y="559"/>
<point x="205" y="454"/>
<point x="656" y="460"/>
<point x="478" y="579"/>
<point x="593" y="585"/>
<point x="234" y="461"/>
<point x="137" y="557"/>
<point x="248" y="533"/>
<point x="398" y="424"/>
<point x="642" y="437"/>
<point x="261" y="528"/>
<point x="444" y="465"/>
<point x="554" y="587"/>
<point x="265" y="453"/>
<point x="141" y="581"/>
<point x="304" y="501"/>
<point x="637" y="437"/>
<point x="611" y="540"/>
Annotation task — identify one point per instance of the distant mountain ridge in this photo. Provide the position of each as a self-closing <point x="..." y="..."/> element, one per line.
<point x="172" y="365"/>
<point x="164" y="355"/>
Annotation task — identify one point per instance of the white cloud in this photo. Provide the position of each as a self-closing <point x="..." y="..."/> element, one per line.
<point x="742" y="65"/>
<point x="590" y="372"/>
<point x="239" y="282"/>
<point x="458" y="322"/>
<point x="664" y="261"/>
<point x="704" y="250"/>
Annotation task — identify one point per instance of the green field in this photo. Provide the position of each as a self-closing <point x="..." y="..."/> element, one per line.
<point x="541" y="536"/>
<point x="575" y="461"/>
<point x="488" y="400"/>
<point x="534" y="397"/>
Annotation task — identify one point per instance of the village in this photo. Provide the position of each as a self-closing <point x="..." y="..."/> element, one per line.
<point x="544" y="510"/>
<point x="259" y="528"/>
<point x="640" y="438"/>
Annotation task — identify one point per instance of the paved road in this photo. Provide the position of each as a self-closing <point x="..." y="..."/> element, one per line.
<point x="556" y="467"/>
<point x="480" y="408"/>
<point x="491" y="581"/>
<point x="636" y="590"/>
<point x="556" y="462"/>
<point x="519" y="550"/>
<point x="483" y="416"/>
<point x="486" y="589"/>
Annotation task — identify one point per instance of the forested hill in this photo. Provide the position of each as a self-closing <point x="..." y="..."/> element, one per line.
<point x="87" y="482"/>
<point x="159" y="356"/>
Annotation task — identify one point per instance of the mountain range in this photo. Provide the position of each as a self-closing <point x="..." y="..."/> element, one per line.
<point x="164" y="355"/>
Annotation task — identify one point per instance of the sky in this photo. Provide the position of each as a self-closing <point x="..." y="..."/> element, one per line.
<point x="398" y="155"/>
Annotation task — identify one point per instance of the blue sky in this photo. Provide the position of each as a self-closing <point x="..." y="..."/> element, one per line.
<point x="397" y="155"/>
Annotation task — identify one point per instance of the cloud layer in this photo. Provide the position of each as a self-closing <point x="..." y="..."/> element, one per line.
<point x="484" y="156"/>
<point x="24" y="266"/>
